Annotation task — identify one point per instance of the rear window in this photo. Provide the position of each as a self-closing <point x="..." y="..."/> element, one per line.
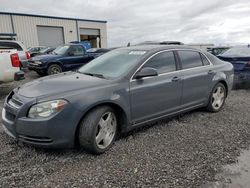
<point x="11" y="45"/>
<point x="190" y="59"/>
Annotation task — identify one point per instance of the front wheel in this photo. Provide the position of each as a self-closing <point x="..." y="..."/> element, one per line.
<point x="98" y="130"/>
<point x="217" y="98"/>
<point x="54" y="69"/>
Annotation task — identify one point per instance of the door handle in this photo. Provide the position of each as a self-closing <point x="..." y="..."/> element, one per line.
<point x="175" y="79"/>
<point x="210" y="72"/>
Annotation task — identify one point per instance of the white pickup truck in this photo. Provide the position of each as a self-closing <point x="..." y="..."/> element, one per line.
<point x="10" y="66"/>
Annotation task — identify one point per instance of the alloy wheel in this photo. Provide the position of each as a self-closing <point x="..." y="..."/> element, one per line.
<point x="106" y="130"/>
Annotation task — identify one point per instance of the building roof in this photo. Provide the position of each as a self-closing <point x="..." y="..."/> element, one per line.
<point x="51" y="17"/>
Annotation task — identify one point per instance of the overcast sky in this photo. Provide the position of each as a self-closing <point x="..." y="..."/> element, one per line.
<point x="189" y="21"/>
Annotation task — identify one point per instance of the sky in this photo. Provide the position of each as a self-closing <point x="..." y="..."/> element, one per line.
<point x="189" y="21"/>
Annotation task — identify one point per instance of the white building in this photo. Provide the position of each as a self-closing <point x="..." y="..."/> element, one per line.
<point x="40" y="30"/>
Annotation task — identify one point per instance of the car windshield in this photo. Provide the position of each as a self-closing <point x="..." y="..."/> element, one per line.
<point x="60" y="50"/>
<point x="44" y="50"/>
<point x="113" y="64"/>
<point x="239" y="52"/>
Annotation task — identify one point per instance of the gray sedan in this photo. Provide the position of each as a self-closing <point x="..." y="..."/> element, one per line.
<point x="114" y="93"/>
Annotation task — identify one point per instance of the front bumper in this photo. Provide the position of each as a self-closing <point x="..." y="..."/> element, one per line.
<point x="55" y="132"/>
<point x="36" y="67"/>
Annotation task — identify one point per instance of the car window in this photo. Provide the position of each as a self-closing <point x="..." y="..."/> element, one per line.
<point x="77" y="50"/>
<point x="12" y="45"/>
<point x="204" y="60"/>
<point x="163" y="62"/>
<point x="190" y="59"/>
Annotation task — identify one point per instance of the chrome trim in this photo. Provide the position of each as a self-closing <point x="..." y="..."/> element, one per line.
<point x="170" y="50"/>
<point x="11" y="103"/>
<point x="4" y="117"/>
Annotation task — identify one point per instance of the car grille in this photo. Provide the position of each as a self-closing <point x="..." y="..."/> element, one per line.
<point x="13" y="102"/>
<point x="33" y="139"/>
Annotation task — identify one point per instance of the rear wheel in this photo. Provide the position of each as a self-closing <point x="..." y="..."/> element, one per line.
<point x="54" y="69"/>
<point x="98" y="130"/>
<point x="217" y="98"/>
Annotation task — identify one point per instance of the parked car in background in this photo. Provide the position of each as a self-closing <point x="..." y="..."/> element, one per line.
<point x="218" y="50"/>
<point x="36" y="49"/>
<point x="44" y="51"/>
<point x="114" y="93"/>
<point x="96" y="52"/>
<point x="63" y="58"/>
<point x="21" y="50"/>
<point x="9" y="66"/>
<point x="240" y="59"/>
<point x="161" y="43"/>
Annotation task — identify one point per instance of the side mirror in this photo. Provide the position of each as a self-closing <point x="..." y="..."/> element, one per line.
<point x="146" y="72"/>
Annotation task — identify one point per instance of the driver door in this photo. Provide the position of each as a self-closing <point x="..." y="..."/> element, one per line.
<point x="152" y="97"/>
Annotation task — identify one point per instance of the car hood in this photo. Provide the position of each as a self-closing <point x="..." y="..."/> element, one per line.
<point x="46" y="57"/>
<point x="60" y="83"/>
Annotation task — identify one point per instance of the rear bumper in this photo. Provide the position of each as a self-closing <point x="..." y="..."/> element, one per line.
<point x="19" y="76"/>
<point x="241" y="76"/>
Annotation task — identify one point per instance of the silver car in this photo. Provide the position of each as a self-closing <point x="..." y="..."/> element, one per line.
<point x="114" y="93"/>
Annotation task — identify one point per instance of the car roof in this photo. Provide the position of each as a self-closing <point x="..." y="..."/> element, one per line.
<point x="159" y="47"/>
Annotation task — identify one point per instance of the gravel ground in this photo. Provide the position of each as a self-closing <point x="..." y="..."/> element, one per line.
<point x="186" y="151"/>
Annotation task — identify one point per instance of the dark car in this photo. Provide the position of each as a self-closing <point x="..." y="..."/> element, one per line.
<point x="44" y="51"/>
<point x="240" y="59"/>
<point x="114" y="93"/>
<point x="96" y="52"/>
<point x="218" y="50"/>
<point x="63" y="58"/>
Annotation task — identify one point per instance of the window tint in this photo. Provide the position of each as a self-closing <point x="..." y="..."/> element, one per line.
<point x="190" y="59"/>
<point x="163" y="62"/>
<point x="77" y="50"/>
<point x="12" y="45"/>
<point x="204" y="60"/>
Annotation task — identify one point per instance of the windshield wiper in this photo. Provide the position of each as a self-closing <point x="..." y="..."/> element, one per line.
<point x="95" y="75"/>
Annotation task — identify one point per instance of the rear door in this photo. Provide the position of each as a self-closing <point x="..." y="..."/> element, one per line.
<point x="197" y="73"/>
<point x="156" y="96"/>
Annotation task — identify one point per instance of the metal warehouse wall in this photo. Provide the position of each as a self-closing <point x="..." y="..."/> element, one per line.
<point x="26" y="28"/>
<point x="5" y="24"/>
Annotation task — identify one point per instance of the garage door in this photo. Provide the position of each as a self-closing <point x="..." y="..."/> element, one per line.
<point x="50" y="36"/>
<point x="89" y="31"/>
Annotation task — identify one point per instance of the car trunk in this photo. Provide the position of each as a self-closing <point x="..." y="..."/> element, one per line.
<point x="239" y="63"/>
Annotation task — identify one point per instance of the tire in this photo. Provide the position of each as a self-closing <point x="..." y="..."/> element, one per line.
<point x="217" y="98"/>
<point x="54" y="69"/>
<point x="98" y="130"/>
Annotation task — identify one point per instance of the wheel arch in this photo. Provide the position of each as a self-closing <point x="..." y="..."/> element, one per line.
<point x="225" y="85"/>
<point x="119" y="112"/>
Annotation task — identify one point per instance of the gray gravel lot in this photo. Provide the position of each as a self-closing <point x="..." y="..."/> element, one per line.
<point x="186" y="151"/>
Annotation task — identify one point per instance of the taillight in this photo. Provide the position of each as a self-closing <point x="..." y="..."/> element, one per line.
<point x="27" y="55"/>
<point x="15" y="60"/>
<point x="248" y="64"/>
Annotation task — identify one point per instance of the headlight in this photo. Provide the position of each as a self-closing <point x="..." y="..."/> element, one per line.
<point x="46" y="109"/>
